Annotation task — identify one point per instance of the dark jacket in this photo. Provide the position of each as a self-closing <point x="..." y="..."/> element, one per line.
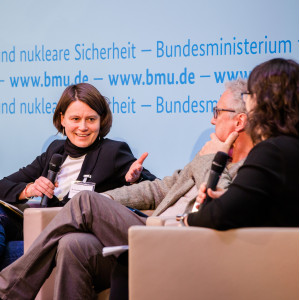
<point x="108" y="165"/>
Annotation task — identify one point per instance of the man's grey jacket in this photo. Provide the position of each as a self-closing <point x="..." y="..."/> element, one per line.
<point x="161" y="194"/>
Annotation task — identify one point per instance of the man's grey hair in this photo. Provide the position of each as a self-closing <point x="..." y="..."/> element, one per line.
<point x="237" y="87"/>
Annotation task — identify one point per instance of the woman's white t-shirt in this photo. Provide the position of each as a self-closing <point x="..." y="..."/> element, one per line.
<point x="68" y="172"/>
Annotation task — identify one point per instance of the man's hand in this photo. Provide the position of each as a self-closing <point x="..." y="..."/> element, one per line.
<point x="136" y="169"/>
<point x="215" y="145"/>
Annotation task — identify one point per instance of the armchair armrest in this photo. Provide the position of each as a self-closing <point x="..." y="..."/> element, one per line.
<point x="35" y="220"/>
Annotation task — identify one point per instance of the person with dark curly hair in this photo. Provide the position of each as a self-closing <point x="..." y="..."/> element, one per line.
<point x="266" y="189"/>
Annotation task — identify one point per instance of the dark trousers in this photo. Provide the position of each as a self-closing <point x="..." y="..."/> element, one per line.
<point x="72" y="242"/>
<point x="119" y="279"/>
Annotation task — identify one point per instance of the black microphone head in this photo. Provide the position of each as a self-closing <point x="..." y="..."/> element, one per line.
<point x="219" y="162"/>
<point x="55" y="162"/>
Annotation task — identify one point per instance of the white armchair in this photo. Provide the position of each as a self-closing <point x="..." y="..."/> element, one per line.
<point x="197" y="263"/>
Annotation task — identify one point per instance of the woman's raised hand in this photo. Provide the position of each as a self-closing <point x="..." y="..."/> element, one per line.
<point x="136" y="169"/>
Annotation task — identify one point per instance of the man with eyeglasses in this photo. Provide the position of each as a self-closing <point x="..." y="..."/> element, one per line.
<point x="63" y="241"/>
<point x="229" y="116"/>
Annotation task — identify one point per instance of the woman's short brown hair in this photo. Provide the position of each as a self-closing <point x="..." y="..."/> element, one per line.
<point x="275" y="87"/>
<point x="88" y="94"/>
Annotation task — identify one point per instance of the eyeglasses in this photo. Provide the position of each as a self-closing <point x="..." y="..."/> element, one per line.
<point x="217" y="110"/>
<point x="246" y="96"/>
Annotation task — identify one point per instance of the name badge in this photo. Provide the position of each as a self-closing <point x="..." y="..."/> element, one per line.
<point x="78" y="186"/>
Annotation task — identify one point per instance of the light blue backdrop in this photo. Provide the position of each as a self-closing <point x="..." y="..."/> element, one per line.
<point x="161" y="63"/>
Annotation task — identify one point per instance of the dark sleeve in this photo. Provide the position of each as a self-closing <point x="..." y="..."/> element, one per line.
<point x="12" y="185"/>
<point x="255" y="198"/>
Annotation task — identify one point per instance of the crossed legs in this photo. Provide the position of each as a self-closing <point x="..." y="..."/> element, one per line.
<point x="87" y="213"/>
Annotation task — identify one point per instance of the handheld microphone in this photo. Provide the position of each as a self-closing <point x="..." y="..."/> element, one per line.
<point x="217" y="167"/>
<point x="54" y="166"/>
